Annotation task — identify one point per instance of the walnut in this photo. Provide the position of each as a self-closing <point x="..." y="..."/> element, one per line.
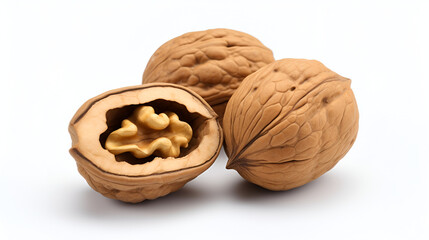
<point x="146" y="133"/>
<point x="288" y="123"/>
<point x="212" y="63"/>
<point x="140" y="116"/>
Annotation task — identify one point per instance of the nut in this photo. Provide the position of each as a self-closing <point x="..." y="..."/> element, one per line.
<point x="132" y="116"/>
<point x="146" y="133"/>
<point x="289" y="123"/>
<point x="212" y="63"/>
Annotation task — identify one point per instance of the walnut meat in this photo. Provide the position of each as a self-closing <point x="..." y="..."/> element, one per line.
<point x="146" y="133"/>
<point x="212" y="63"/>
<point x="143" y="142"/>
<point x="289" y="123"/>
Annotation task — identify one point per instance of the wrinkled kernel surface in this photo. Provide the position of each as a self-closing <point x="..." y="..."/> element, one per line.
<point x="146" y="133"/>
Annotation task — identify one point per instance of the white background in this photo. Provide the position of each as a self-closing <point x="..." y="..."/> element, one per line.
<point x="54" y="55"/>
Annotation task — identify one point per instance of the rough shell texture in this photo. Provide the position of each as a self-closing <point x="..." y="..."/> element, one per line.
<point x="125" y="177"/>
<point x="289" y="123"/>
<point x="212" y="63"/>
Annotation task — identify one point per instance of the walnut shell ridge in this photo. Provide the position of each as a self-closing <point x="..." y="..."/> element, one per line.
<point x="212" y="63"/>
<point x="130" y="179"/>
<point x="289" y="123"/>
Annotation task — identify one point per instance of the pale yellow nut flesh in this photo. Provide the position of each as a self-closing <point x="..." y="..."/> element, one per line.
<point x="146" y="133"/>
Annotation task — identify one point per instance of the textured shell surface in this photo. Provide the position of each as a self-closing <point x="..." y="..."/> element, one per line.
<point x="212" y="63"/>
<point x="289" y="122"/>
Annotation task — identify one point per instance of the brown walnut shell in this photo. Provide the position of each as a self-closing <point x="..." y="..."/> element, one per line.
<point x="212" y="63"/>
<point x="288" y="123"/>
<point x="130" y="179"/>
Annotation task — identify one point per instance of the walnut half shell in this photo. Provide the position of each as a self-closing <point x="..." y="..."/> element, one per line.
<point x="123" y="176"/>
<point x="288" y="123"/>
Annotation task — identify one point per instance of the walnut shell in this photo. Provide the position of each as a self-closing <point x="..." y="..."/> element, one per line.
<point x="212" y="63"/>
<point x="130" y="179"/>
<point x="288" y="123"/>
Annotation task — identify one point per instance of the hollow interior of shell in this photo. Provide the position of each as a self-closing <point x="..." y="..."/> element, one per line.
<point x="115" y="117"/>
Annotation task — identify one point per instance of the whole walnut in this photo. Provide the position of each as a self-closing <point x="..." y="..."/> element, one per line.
<point x="212" y="63"/>
<point x="288" y="123"/>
